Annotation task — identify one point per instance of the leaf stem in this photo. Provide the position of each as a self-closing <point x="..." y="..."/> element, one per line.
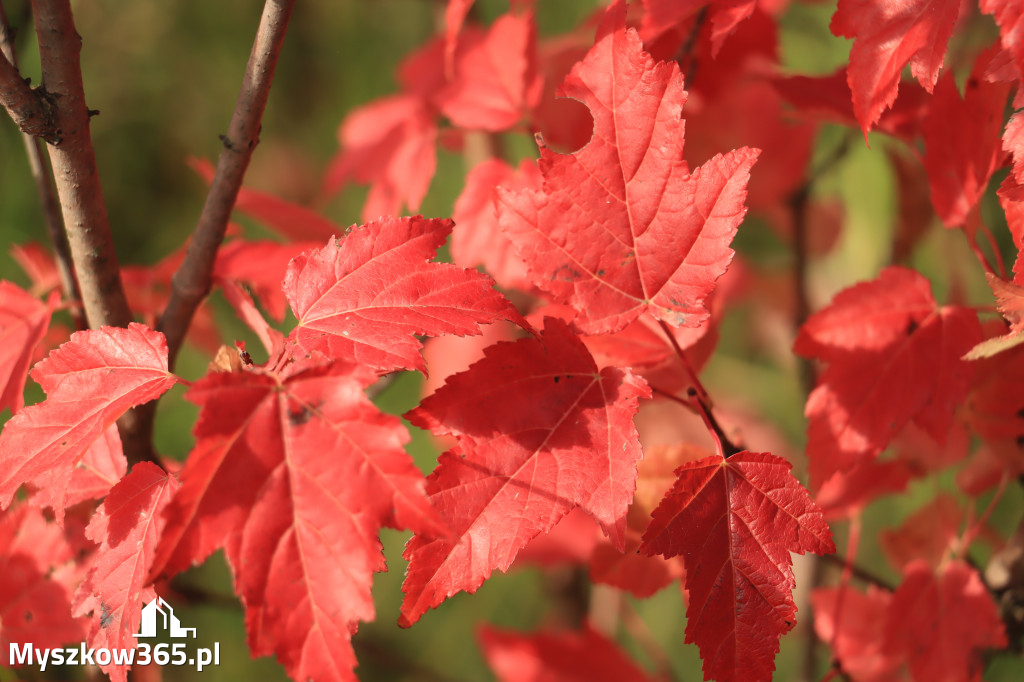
<point x="690" y="371"/>
<point x="193" y="279"/>
<point x="860" y="573"/>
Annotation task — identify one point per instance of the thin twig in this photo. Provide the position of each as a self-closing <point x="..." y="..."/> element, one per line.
<point x="641" y="634"/>
<point x="192" y="282"/>
<point x="43" y="178"/>
<point x="860" y="573"/>
<point x="28" y="108"/>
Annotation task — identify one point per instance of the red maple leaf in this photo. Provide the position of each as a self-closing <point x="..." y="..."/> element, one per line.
<point x="888" y="36"/>
<point x="100" y="468"/>
<point x="893" y="355"/>
<point x="294" y="473"/>
<point x="261" y="265"/>
<point x="585" y="656"/>
<point x="962" y="144"/>
<point x="622" y="226"/>
<point x="127" y="527"/>
<point x="661" y="16"/>
<point x="389" y="143"/>
<point x="849" y="621"/>
<point x="363" y="298"/>
<point x="89" y="382"/>
<point x="477" y="238"/>
<point x="1010" y="17"/>
<point x="540" y="431"/>
<point x="24" y="320"/>
<point x="735" y="521"/>
<point x="941" y="622"/>
<point x="37" y="565"/>
<point x="495" y="83"/>
<point x="928" y="535"/>
<point x="284" y="217"/>
<point x="1010" y="303"/>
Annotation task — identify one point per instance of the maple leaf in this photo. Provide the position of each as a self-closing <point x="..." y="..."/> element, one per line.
<point x="848" y="620"/>
<point x="100" y="468"/>
<point x="735" y="521"/>
<point x="36" y="562"/>
<point x="661" y="16"/>
<point x="261" y="265"/>
<point x="828" y="98"/>
<point x="1010" y="303"/>
<point x="24" y="320"/>
<point x="962" y="144"/>
<point x="391" y="144"/>
<point x="477" y="238"/>
<point x="127" y="527"/>
<point x="495" y="81"/>
<point x="540" y="431"/>
<point x="941" y="622"/>
<point x="928" y="535"/>
<point x="294" y="473"/>
<point x="622" y="226"/>
<point x="639" y="574"/>
<point x="39" y="265"/>
<point x="89" y="382"/>
<point x="284" y="217"/>
<point x="584" y="656"/>
<point x="1010" y="18"/>
<point x="892" y="356"/>
<point x="888" y="36"/>
<point x="363" y="298"/>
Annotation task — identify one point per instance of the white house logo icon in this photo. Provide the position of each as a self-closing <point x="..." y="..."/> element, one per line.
<point x="170" y="621"/>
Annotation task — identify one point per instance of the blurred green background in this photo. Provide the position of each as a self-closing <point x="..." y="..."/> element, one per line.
<point x="165" y="75"/>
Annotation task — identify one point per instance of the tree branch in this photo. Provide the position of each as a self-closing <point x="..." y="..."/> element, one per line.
<point x="44" y="187"/>
<point x="74" y="166"/>
<point x="28" y="108"/>
<point x="192" y="282"/>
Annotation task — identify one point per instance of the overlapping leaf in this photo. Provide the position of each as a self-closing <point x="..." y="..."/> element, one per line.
<point x="89" y="382"/>
<point x="893" y="355"/>
<point x="962" y="144"/>
<point x="294" y="473"/>
<point x="888" y="36"/>
<point x="477" y="238"/>
<point x="849" y="620"/>
<point x="127" y="527"/>
<point x="37" y="565"/>
<point x="496" y="82"/>
<point x="540" y="431"/>
<point x="363" y="298"/>
<point x="23" y="323"/>
<point x="940" y="623"/>
<point x="389" y="143"/>
<point x="622" y="226"/>
<point x="735" y="522"/>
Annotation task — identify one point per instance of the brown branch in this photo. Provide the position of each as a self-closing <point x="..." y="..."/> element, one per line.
<point x="192" y="281"/>
<point x="74" y="167"/>
<point x="43" y="178"/>
<point x="28" y="108"/>
<point x="81" y="196"/>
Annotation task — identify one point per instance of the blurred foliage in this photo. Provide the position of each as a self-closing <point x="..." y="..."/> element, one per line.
<point x="165" y="75"/>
